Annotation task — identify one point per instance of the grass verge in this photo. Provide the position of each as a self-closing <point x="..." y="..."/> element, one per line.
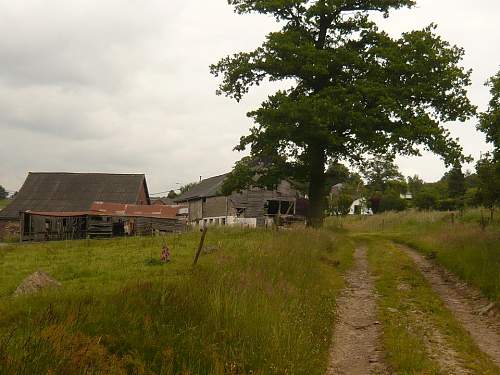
<point x="419" y="331"/>
<point x="4" y="203"/>
<point x="458" y="242"/>
<point x="262" y="303"/>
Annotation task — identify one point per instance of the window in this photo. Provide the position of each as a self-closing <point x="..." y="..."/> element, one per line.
<point x="275" y="207"/>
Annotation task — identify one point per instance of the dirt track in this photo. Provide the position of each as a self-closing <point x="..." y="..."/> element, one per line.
<point x="356" y="348"/>
<point x="465" y="304"/>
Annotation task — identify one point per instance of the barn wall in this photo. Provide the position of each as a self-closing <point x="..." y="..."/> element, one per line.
<point x="50" y="228"/>
<point x="249" y="204"/>
<point x="146" y="226"/>
<point x="195" y="210"/>
<point x="214" y="207"/>
<point x="254" y="200"/>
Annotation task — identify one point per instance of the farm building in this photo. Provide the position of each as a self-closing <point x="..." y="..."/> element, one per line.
<point x="359" y="206"/>
<point x="73" y="193"/>
<point x="182" y="209"/>
<point x="253" y="208"/>
<point x="103" y="220"/>
<point x="163" y="201"/>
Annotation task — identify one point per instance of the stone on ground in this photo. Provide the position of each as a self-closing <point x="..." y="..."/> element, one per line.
<point x="36" y="282"/>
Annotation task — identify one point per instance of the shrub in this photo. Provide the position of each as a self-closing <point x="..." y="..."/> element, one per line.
<point x="392" y="202"/>
<point x="426" y="200"/>
<point x="449" y="204"/>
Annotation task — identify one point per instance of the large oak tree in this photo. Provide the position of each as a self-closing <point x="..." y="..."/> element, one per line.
<point x="354" y="89"/>
<point x="488" y="168"/>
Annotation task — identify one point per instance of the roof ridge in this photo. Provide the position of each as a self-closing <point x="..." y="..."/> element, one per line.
<point x="100" y="173"/>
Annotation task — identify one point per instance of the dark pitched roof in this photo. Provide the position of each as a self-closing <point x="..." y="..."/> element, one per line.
<point x="209" y="187"/>
<point x="162" y="200"/>
<point x="73" y="192"/>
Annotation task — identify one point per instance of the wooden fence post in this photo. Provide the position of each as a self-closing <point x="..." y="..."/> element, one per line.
<point x="200" y="246"/>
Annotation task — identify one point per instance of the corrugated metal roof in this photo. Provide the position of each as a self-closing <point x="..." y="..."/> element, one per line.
<point x="117" y="209"/>
<point x="209" y="187"/>
<point x="73" y="192"/>
<point x="134" y="210"/>
<point x="58" y="214"/>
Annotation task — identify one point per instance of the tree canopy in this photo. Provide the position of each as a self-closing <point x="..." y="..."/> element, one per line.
<point x="490" y="120"/>
<point x="3" y="193"/>
<point x="381" y="173"/>
<point x="488" y="168"/>
<point x="354" y="90"/>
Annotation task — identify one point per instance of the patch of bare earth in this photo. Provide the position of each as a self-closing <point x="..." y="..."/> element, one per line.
<point x="437" y="345"/>
<point x="477" y="315"/>
<point x="357" y="346"/>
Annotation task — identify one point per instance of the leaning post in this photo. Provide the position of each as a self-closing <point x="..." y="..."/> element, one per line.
<point x="200" y="246"/>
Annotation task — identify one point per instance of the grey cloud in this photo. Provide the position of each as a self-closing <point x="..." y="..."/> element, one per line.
<point x="124" y="85"/>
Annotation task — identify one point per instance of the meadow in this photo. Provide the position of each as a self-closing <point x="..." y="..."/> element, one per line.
<point x="258" y="302"/>
<point x="457" y="241"/>
<point x="4" y="203"/>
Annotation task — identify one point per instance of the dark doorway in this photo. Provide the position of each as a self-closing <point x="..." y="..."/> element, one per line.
<point x="118" y="229"/>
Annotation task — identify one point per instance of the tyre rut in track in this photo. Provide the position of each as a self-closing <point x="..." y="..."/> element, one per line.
<point x="464" y="303"/>
<point x="356" y="345"/>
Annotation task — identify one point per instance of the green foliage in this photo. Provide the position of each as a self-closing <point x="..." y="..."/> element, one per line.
<point x="340" y="203"/>
<point x="350" y="187"/>
<point x="355" y="89"/>
<point x="488" y="171"/>
<point x="4" y="203"/>
<point x="456" y="182"/>
<point x="426" y="199"/>
<point x="449" y="204"/>
<point x="3" y="193"/>
<point x="415" y="184"/>
<point x="254" y="172"/>
<point x="490" y="120"/>
<point x="337" y="173"/>
<point x="471" y="197"/>
<point x="385" y="184"/>
<point x="262" y="303"/>
<point x="186" y="187"/>
<point x="382" y="174"/>
<point x="240" y="178"/>
<point x="391" y="201"/>
<point x="172" y="194"/>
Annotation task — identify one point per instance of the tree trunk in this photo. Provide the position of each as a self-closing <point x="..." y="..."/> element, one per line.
<point x="317" y="182"/>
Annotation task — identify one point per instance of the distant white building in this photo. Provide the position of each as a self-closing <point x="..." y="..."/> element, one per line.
<point x="360" y="207"/>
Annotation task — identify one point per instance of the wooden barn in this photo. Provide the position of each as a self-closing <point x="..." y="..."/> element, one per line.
<point x="255" y="207"/>
<point x="103" y="220"/>
<point x="71" y="193"/>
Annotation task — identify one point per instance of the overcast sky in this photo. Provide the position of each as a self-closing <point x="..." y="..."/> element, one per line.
<point x="124" y="85"/>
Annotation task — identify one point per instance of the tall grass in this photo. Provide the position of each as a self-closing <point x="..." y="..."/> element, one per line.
<point x="458" y="241"/>
<point x="415" y="319"/>
<point x="4" y="203"/>
<point x="262" y="303"/>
